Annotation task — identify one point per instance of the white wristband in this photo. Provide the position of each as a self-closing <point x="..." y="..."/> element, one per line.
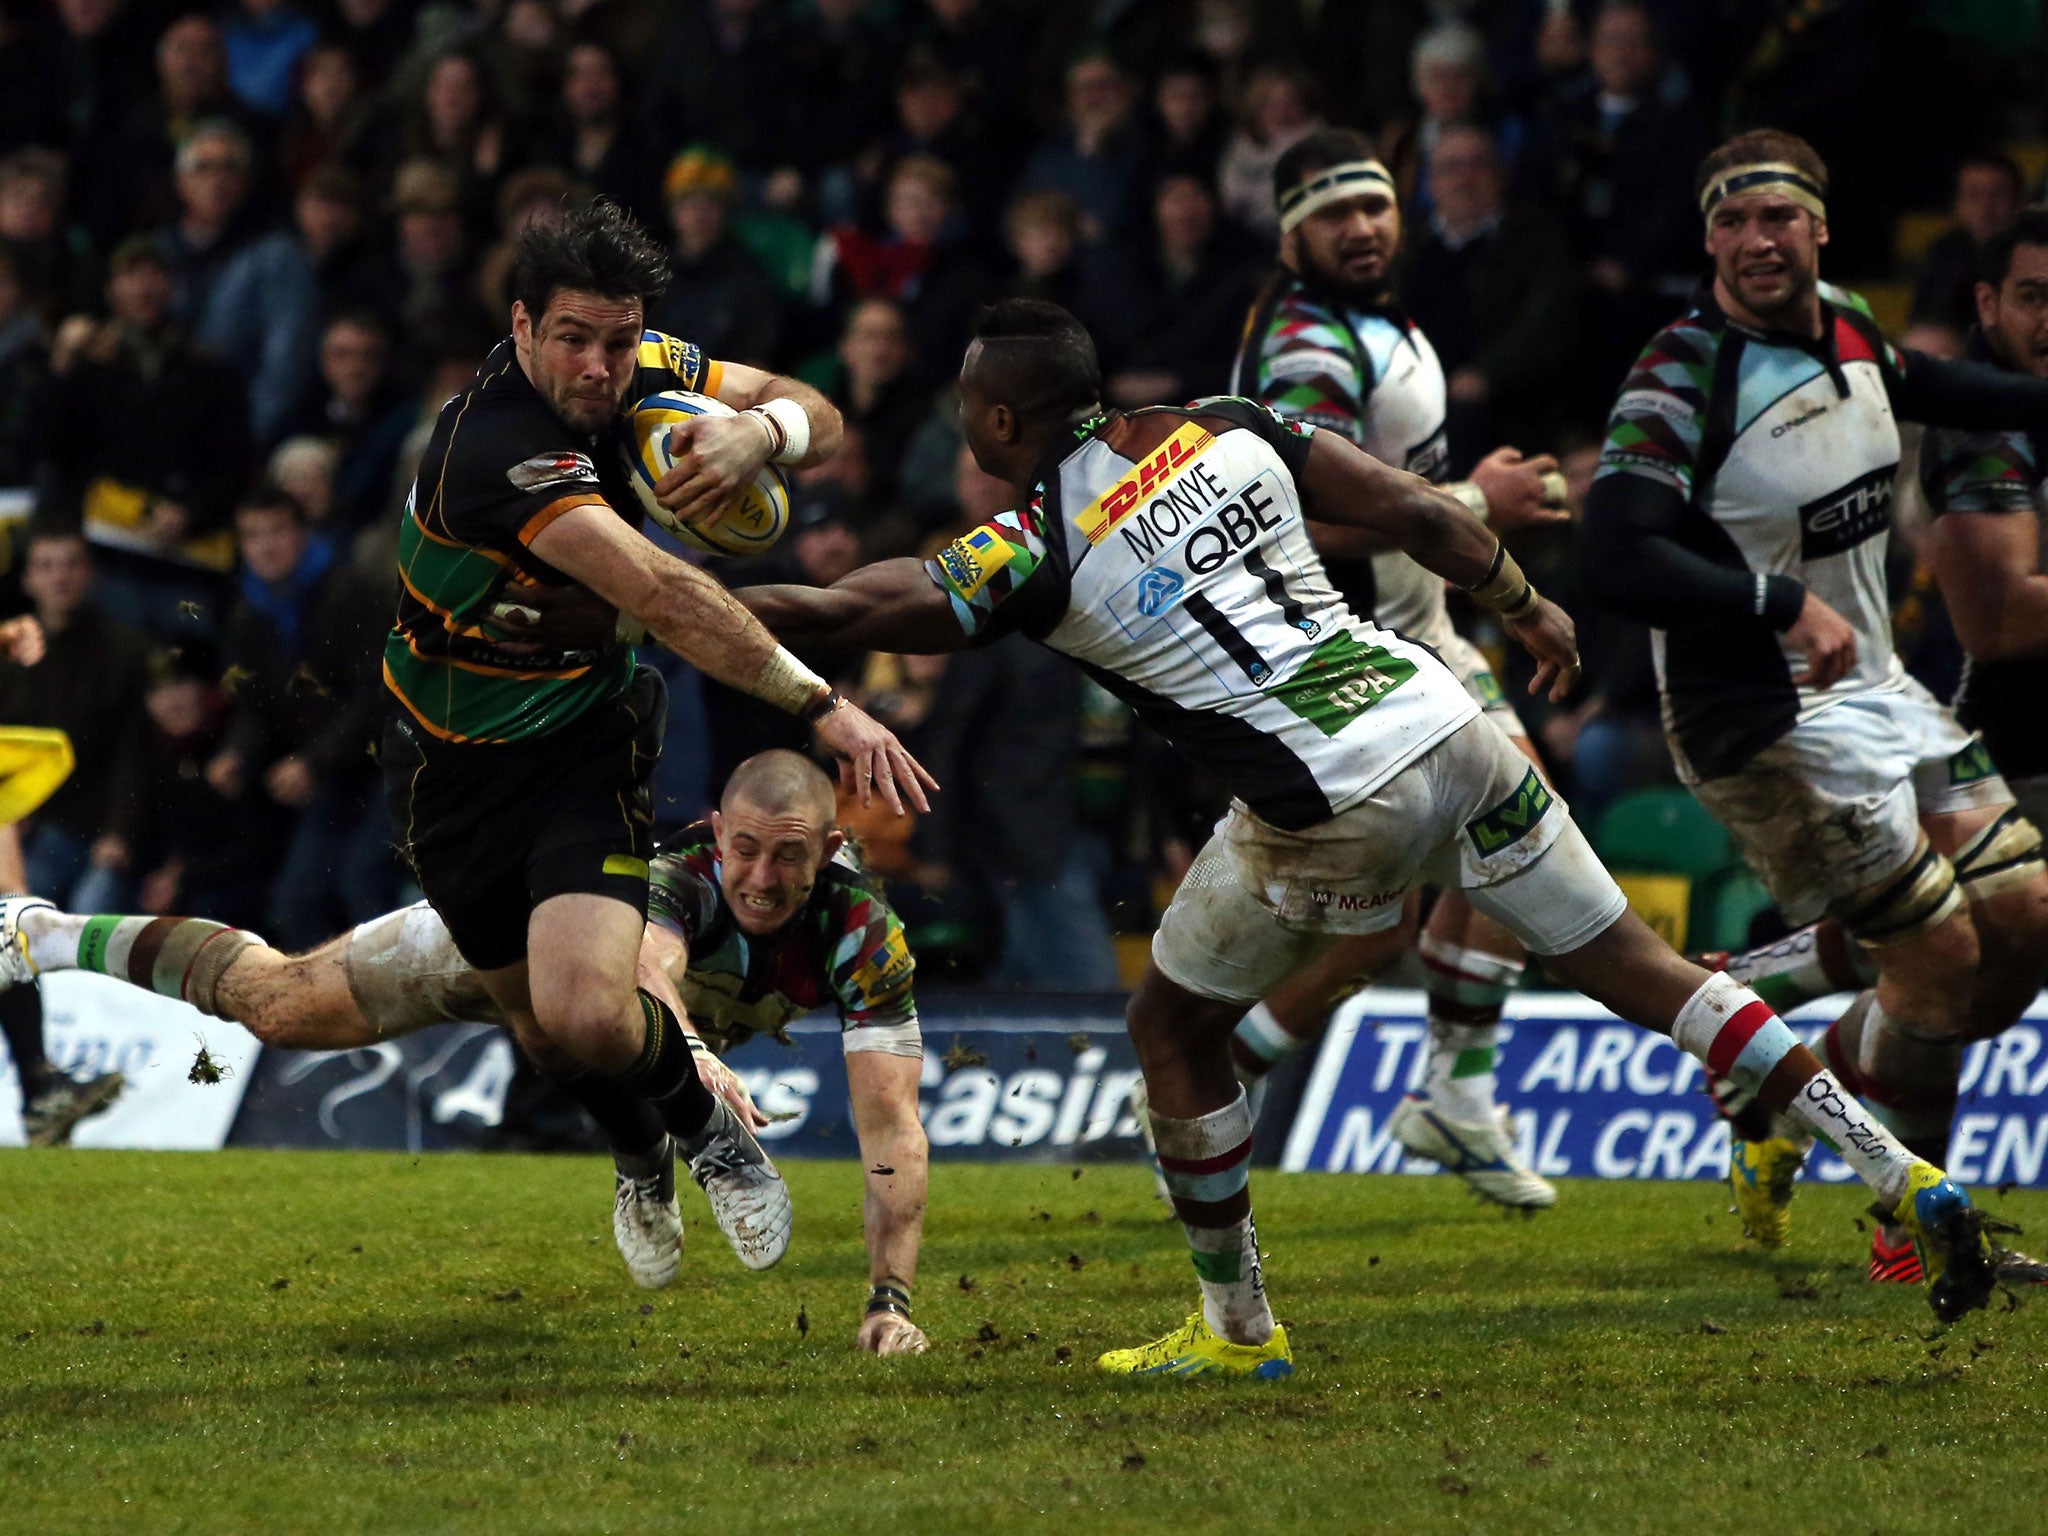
<point x="787" y="425"/>
<point x="1474" y="498"/>
<point x="788" y="684"/>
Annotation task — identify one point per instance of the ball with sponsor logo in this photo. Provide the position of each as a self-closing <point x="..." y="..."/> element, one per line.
<point x="750" y="527"/>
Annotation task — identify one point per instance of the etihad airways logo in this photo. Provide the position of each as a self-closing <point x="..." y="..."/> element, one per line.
<point x="1836" y="523"/>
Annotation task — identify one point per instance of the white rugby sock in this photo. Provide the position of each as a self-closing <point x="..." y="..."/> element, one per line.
<point x="52" y="937"/>
<point x="1467" y="990"/>
<point x="1264" y="1038"/>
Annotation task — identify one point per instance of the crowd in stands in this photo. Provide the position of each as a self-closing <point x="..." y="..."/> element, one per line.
<point x="246" y="252"/>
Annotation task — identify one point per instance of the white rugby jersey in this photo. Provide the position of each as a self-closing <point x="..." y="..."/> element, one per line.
<point x="1166" y="552"/>
<point x="1372" y="376"/>
<point x="1785" y="451"/>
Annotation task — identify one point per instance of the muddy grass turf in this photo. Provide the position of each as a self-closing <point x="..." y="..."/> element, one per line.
<point x="340" y="1343"/>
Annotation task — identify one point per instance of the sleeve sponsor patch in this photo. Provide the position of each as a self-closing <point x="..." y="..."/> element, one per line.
<point x="969" y="562"/>
<point x="1313" y="363"/>
<point x="1657" y="402"/>
<point x="544" y="470"/>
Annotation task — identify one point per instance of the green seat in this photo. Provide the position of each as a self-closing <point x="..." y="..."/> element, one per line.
<point x="1724" y="905"/>
<point x="1662" y="831"/>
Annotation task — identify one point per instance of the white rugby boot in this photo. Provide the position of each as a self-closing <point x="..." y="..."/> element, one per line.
<point x="1482" y="1154"/>
<point x="648" y="1224"/>
<point x="748" y="1198"/>
<point x="15" y="966"/>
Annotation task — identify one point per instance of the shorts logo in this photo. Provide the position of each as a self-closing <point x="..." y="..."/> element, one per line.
<point x="1836" y="523"/>
<point x="1344" y="902"/>
<point x="1151" y="475"/>
<point x="1971" y="765"/>
<point x="1511" y="820"/>
<point x="1486" y="689"/>
<point x="969" y="562"/>
<point x="546" y="469"/>
<point x="625" y="864"/>
<point x="1158" y="591"/>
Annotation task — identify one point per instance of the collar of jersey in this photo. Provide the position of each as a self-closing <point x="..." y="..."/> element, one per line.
<point x="1821" y="346"/>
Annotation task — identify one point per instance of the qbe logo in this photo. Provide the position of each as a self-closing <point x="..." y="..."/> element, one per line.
<point x="1158" y="591"/>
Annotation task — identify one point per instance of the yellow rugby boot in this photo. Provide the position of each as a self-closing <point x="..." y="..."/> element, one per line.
<point x="1761" y="1174"/>
<point x="1193" y="1349"/>
<point x="1954" y="1241"/>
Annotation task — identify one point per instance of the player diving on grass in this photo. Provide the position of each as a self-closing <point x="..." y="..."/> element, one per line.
<point x="1742" y="510"/>
<point x="1166" y="552"/>
<point x="518" y="779"/>
<point x="754" y="919"/>
<point x="1328" y="344"/>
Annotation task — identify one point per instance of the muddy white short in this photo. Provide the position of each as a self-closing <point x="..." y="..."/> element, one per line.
<point x="1470" y="813"/>
<point x="1832" y="808"/>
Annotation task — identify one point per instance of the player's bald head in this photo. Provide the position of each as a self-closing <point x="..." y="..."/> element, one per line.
<point x="782" y="783"/>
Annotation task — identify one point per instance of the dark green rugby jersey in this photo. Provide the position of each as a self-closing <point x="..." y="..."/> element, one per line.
<point x="499" y="468"/>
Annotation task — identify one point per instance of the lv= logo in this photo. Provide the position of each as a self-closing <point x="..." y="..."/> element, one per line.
<point x="1511" y="820"/>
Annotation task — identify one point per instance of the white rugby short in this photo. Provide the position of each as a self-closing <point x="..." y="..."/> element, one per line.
<point x="1471" y="667"/>
<point x="1470" y="813"/>
<point x="1831" y="810"/>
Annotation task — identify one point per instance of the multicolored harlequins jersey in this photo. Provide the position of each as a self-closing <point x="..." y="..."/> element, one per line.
<point x="499" y="468"/>
<point x="1785" y="451"/>
<point x="1166" y="552"/>
<point x="1368" y="374"/>
<point x="846" y="948"/>
<point x="2000" y="474"/>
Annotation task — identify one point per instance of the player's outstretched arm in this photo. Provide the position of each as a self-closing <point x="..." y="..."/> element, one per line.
<point x="891" y="605"/>
<point x="1960" y="392"/>
<point x="893" y="1150"/>
<point x="698" y="619"/>
<point x="781" y="419"/>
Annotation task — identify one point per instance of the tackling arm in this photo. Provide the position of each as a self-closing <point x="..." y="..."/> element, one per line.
<point x="883" y="1088"/>
<point x="891" y="605"/>
<point x="1961" y="393"/>
<point x="696" y="617"/>
<point x="1989" y="565"/>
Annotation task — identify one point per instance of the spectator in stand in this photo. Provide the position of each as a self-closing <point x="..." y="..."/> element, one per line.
<point x="74" y="71"/>
<point x="54" y="262"/>
<point x="1191" y="128"/>
<point x="839" y="66"/>
<point x="89" y="685"/>
<point x="303" y="646"/>
<point x="721" y="77"/>
<point x="326" y="124"/>
<point x="1449" y="75"/>
<point x="914" y="261"/>
<point x="303" y="468"/>
<point x="719" y="295"/>
<point x="598" y="141"/>
<point x="1190" y="287"/>
<point x="455" y="123"/>
<point x="933" y="118"/>
<point x="331" y="213"/>
<point x="263" y="310"/>
<point x="1619" y="137"/>
<point x="1279" y="109"/>
<point x="265" y="40"/>
<point x="195" y="850"/>
<point x="878" y="394"/>
<point x="986" y="45"/>
<point x="364" y="412"/>
<point x="425" y="281"/>
<point x="1098" y="155"/>
<point x="1496" y="289"/>
<point x="214" y="219"/>
<point x="1988" y="194"/>
<point x="377" y="34"/>
<point x="540" y="192"/>
<point x="163" y="486"/>
<point x="24" y="380"/>
<point x="1043" y="232"/>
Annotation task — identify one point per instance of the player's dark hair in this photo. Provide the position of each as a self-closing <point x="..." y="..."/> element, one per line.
<point x="55" y="529"/>
<point x="268" y="496"/>
<point x="1037" y="359"/>
<point x="2030" y="228"/>
<point x="1758" y="146"/>
<point x="598" y="248"/>
<point x="1316" y="153"/>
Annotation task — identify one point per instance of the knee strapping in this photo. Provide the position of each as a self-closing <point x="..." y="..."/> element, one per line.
<point x="2005" y="854"/>
<point x="1922" y="897"/>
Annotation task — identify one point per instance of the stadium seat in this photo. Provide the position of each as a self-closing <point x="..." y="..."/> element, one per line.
<point x="1724" y="906"/>
<point x="1662" y="831"/>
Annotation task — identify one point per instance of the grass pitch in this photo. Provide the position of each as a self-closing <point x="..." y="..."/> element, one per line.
<point x="343" y="1343"/>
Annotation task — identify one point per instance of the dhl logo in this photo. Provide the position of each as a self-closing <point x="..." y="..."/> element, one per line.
<point x="1149" y="476"/>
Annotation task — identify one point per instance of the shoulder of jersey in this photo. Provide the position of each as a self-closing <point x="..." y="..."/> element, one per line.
<point x="692" y="844"/>
<point x="671" y="354"/>
<point x="1847" y="298"/>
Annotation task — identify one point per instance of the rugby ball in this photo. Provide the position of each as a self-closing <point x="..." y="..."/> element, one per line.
<point x="750" y="527"/>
